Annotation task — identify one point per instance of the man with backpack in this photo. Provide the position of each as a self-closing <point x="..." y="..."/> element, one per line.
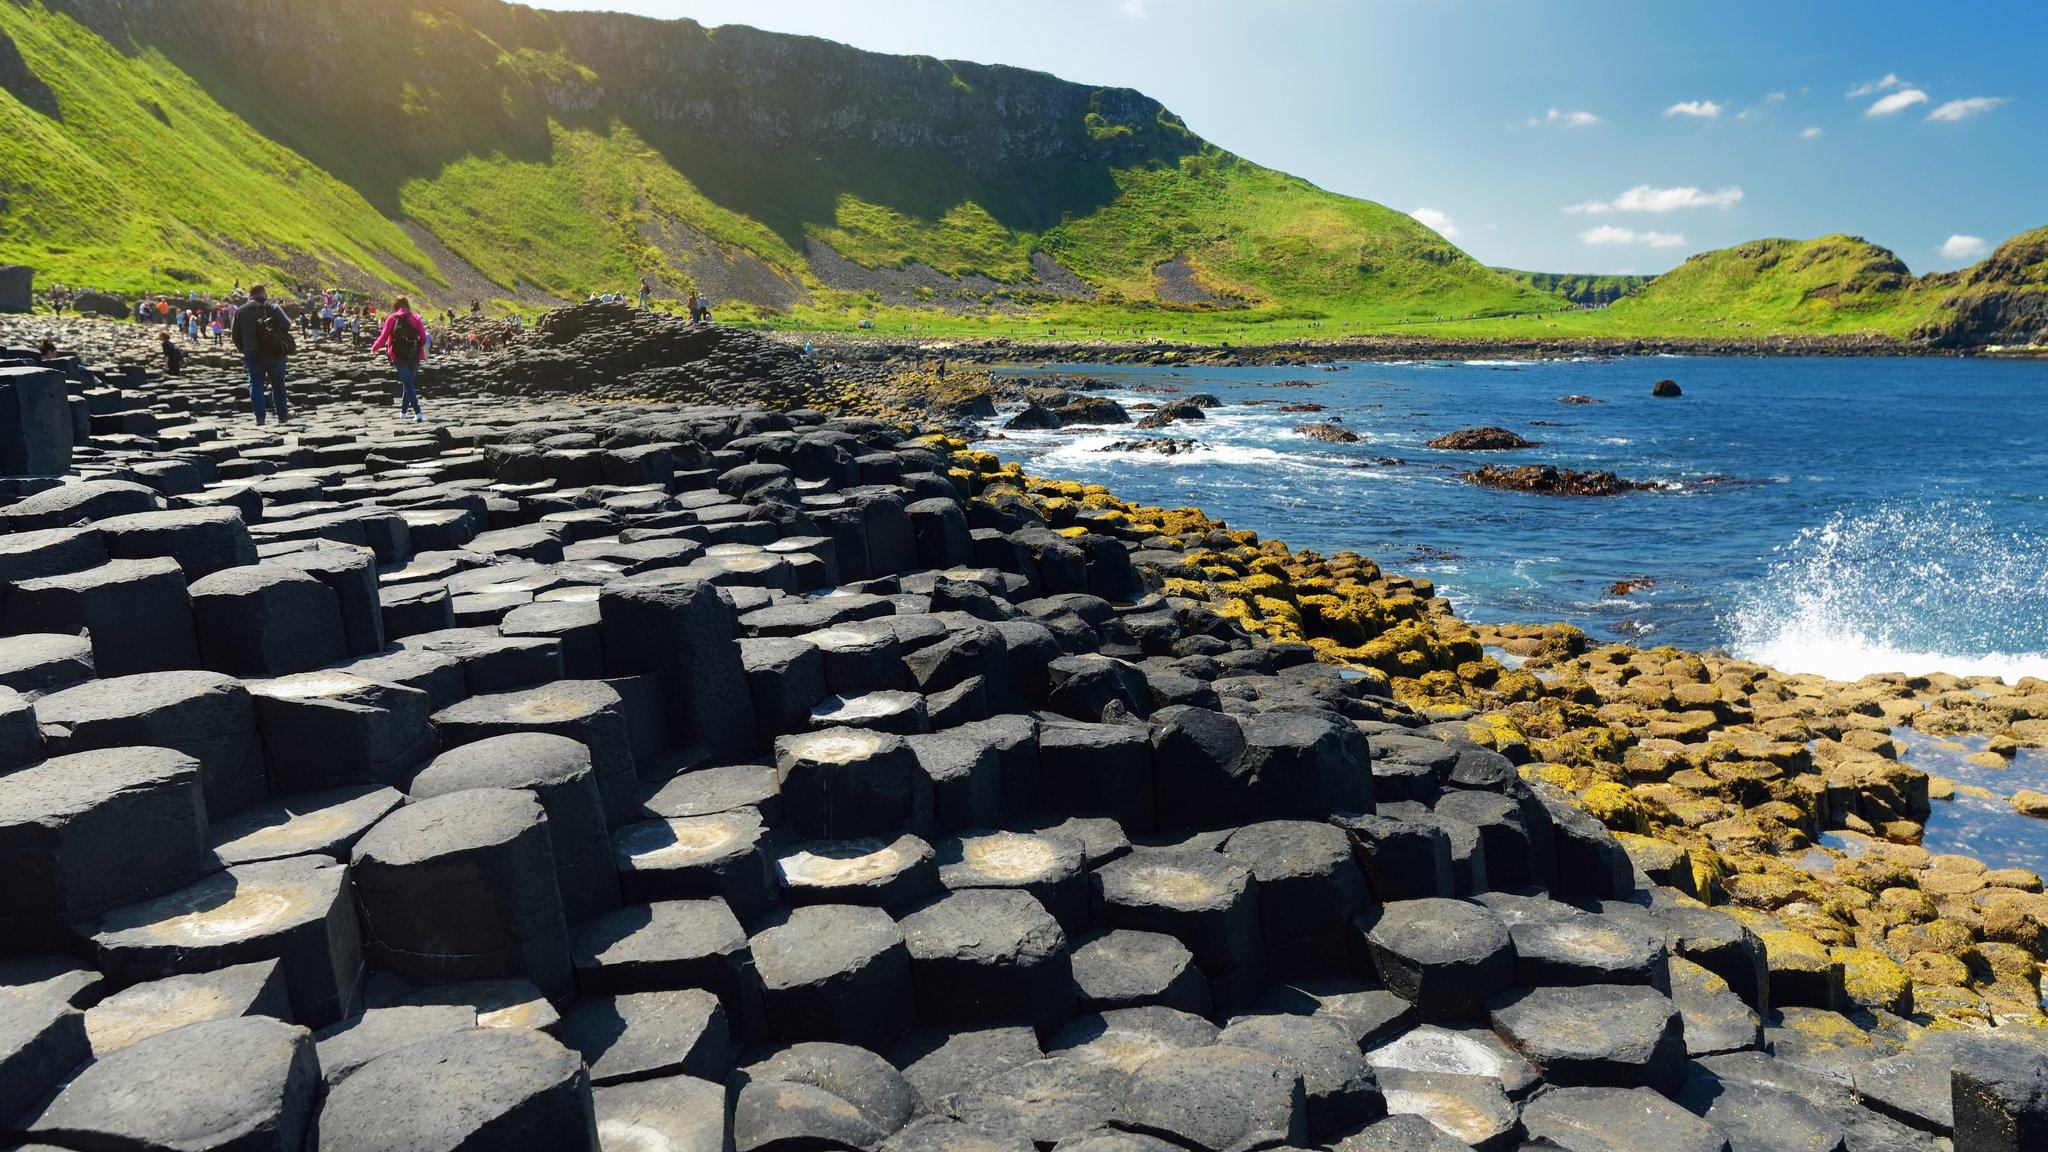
<point x="404" y="340"/>
<point x="264" y="334"/>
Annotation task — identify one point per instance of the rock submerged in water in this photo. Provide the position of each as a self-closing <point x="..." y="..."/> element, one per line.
<point x="1666" y="389"/>
<point x="1544" y="479"/>
<point x="1328" y="433"/>
<point x="1575" y="398"/>
<point x="1163" y="445"/>
<point x="1168" y="413"/>
<point x="1487" y="439"/>
<point x="1034" y="418"/>
<point x="1093" y="410"/>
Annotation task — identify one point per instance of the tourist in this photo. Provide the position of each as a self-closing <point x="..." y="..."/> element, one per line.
<point x="476" y="308"/>
<point x="264" y="334"/>
<point x="174" y="357"/>
<point x="694" y="305"/>
<point x="47" y="350"/>
<point x="404" y="342"/>
<point x="646" y="294"/>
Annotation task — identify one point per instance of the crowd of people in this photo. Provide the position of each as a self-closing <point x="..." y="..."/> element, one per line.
<point x="267" y="333"/>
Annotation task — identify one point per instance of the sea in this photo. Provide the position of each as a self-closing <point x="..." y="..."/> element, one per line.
<point x="1840" y="516"/>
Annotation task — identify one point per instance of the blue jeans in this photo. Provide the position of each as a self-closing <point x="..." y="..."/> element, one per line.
<point x="408" y="371"/>
<point x="267" y="369"/>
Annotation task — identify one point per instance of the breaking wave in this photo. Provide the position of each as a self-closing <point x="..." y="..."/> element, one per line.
<point x="1925" y="588"/>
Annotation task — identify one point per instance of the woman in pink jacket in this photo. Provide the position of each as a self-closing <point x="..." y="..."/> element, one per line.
<point x="404" y="340"/>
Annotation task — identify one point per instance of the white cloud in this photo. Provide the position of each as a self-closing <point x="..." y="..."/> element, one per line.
<point x="1135" y="9"/>
<point x="1438" y="219"/>
<point x="1769" y="99"/>
<point x="1956" y="110"/>
<point x="1567" y="119"/>
<point x="1873" y="87"/>
<point x="1611" y="234"/>
<point x="1702" y="109"/>
<point x="1961" y="247"/>
<point x="1643" y="198"/>
<point x="1811" y="134"/>
<point x="1897" y="102"/>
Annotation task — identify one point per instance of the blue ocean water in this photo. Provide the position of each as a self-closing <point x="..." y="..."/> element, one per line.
<point x="1839" y="516"/>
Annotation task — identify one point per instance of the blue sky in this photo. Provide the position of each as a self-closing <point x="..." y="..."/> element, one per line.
<point x="1555" y="137"/>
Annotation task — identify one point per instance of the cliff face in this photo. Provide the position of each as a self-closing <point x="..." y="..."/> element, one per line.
<point x="490" y="66"/>
<point x="746" y="88"/>
<point x="2002" y="299"/>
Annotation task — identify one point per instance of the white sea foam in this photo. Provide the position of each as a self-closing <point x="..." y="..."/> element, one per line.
<point x="1080" y="454"/>
<point x="1931" y="588"/>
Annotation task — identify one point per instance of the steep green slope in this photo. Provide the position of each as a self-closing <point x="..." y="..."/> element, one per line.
<point x="122" y="161"/>
<point x="470" y="146"/>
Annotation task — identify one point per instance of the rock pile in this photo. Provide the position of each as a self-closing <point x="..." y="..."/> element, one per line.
<point x="615" y="351"/>
<point x="705" y="776"/>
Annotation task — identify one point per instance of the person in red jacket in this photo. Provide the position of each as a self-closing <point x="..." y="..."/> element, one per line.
<point x="404" y="340"/>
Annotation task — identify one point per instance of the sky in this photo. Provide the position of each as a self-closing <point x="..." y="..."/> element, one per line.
<point x="1555" y="137"/>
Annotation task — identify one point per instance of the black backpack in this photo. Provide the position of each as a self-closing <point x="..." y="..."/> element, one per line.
<point x="405" y="338"/>
<point x="273" y="331"/>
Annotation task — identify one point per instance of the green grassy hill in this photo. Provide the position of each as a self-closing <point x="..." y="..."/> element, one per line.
<point x="471" y="147"/>
<point x="1835" y="287"/>
<point x="460" y="148"/>
<point x="1833" y="284"/>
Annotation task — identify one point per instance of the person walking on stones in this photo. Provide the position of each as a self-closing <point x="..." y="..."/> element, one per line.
<point x="404" y="340"/>
<point x="646" y="294"/>
<point x="695" y="305"/>
<point x="264" y="334"/>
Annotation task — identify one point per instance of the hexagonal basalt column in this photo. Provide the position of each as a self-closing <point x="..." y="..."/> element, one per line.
<point x="462" y="887"/>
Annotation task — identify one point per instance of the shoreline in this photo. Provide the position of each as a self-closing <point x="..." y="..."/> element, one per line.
<point x="1718" y="775"/>
<point x="1002" y="351"/>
